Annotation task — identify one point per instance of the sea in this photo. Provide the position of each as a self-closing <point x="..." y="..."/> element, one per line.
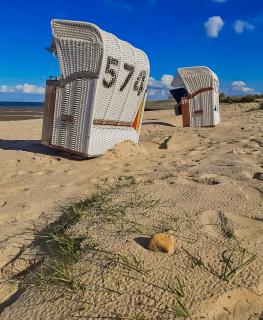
<point x="18" y="105"/>
<point x="21" y="110"/>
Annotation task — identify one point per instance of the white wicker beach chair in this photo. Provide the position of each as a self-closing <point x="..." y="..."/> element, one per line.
<point x="196" y="91"/>
<point x="99" y="100"/>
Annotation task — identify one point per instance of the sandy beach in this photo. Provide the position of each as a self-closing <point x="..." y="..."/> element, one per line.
<point x="204" y="186"/>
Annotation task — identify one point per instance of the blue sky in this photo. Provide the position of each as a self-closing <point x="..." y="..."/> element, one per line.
<point x="226" y="35"/>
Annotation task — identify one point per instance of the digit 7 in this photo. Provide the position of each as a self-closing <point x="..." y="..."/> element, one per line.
<point x="131" y="70"/>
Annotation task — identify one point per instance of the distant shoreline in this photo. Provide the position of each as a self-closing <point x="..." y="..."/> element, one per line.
<point x="27" y="110"/>
<point x="18" y="105"/>
<point x="14" y="111"/>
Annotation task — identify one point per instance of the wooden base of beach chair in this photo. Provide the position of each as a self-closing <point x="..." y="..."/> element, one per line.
<point x="185" y="112"/>
<point x="49" y="109"/>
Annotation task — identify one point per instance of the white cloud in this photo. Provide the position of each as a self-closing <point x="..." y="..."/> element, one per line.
<point x="5" y="89"/>
<point x="238" y="83"/>
<point x="154" y="84"/>
<point x="22" y="88"/>
<point x="158" y="94"/>
<point x="241" y="87"/>
<point x="167" y="80"/>
<point x="159" y="89"/>
<point x="164" y="83"/>
<point x="240" y="26"/>
<point x="30" y="88"/>
<point x="213" y="26"/>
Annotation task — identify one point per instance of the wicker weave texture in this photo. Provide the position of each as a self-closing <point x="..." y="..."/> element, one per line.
<point x="104" y="138"/>
<point x="110" y="137"/>
<point x="194" y="79"/>
<point x="114" y="100"/>
<point x="75" y="100"/>
<point x="106" y="79"/>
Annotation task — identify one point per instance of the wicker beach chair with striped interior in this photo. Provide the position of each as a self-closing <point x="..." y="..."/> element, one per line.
<point x="196" y="91"/>
<point x="99" y="99"/>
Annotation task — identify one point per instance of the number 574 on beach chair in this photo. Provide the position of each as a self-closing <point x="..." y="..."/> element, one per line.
<point x="99" y="99"/>
<point x="196" y="91"/>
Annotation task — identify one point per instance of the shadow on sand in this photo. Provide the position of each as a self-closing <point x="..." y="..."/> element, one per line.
<point x="35" y="146"/>
<point x="142" y="241"/>
<point x="159" y="123"/>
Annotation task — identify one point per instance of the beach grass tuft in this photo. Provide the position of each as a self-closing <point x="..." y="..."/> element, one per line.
<point x="235" y="261"/>
<point x="61" y="250"/>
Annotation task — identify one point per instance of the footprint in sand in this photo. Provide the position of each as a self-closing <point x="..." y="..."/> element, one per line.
<point x="246" y="227"/>
<point x="195" y="152"/>
<point x="256" y="143"/>
<point x="55" y="186"/>
<point x="19" y="173"/>
<point x="219" y="224"/>
<point x="258" y="176"/>
<point x="216" y="224"/>
<point x="247" y="175"/>
<point x="241" y="151"/>
<point x="128" y="164"/>
<point x="251" y="193"/>
<point x="209" y="179"/>
<point x="164" y="143"/>
<point x="183" y="180"/>
<point x="7" y="290"/>
<point x="2" y="203"/>
<point x="240" y="304"/>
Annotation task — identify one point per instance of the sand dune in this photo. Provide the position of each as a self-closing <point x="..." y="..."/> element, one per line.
<point x="207" y="186"/>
